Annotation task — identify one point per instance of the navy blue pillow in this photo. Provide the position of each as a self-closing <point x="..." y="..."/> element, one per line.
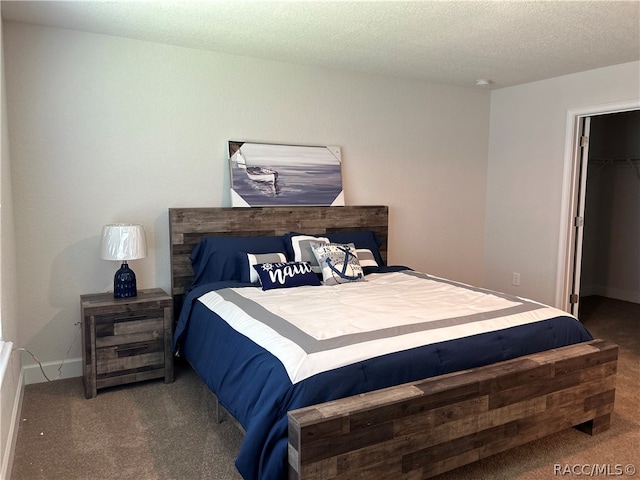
<point x="285" y="275"/>
<point x="217" y="259"/>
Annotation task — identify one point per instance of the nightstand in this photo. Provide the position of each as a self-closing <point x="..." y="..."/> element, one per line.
<point x="125" y="340"/>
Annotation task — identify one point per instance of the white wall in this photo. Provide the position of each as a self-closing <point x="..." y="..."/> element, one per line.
<point x="10" y="393"/>
<point x="107" y="129"/>
<point x="525" y="173"/>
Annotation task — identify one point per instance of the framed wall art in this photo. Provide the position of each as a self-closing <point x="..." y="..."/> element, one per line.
<point x="264" y="174"/>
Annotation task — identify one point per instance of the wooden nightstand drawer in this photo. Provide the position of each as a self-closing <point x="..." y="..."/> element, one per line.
<point x="126" y="340"/>
<point x="129" y="356"/>
<point x="120" y="326"/>
<point x="130" y="332"/>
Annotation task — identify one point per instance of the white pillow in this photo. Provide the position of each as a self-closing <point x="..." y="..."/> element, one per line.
<point x="339" y="263"/>
<point x="366" y="258"/>
<point x="258" y="258"/>
<point x="302" y="251"/>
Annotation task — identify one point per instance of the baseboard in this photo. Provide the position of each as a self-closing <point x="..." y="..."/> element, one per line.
<point x="12" y="437"/>
<point x="71" y="368"/>
<point x="5" y="355"/>
<point x="616" y="293"/>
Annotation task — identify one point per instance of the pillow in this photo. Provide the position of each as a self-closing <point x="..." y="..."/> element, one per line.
<point x="285" y="275"/>
<point x="339" y="263"/>
<point x="256" y="258"/>
<point x="361" y="239"/>
<point x="216" y="259"/>
<point x="366" y="258"/>
<point x="301" y="249"/>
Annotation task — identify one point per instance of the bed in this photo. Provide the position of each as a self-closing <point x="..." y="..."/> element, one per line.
<point x="412" y="411"/>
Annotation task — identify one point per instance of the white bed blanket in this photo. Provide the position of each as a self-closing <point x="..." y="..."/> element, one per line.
<point x="315" y="329"/>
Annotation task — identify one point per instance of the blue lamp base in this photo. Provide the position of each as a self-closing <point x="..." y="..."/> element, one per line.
<point x="124" y="282"/>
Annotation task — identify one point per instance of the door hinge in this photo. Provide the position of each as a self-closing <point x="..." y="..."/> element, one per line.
<point x="573" y="298"/>
<point x="584" y="141"/>
<point x="578" y="222"/>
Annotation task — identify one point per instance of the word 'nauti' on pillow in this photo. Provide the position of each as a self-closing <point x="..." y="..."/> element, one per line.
<point x="284" y="275"/>
<point x="339" y="263"/>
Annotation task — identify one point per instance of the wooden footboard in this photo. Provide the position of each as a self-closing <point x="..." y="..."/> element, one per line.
<point x="424" y="428"/>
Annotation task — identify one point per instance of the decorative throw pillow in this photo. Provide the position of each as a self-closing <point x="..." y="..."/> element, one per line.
<point x="287" y="274"/>
<point x="256" y="258"/>
<point x="339" y="263"/>
<point x="302" y="251"/>
<point x="361" y="239"/>
<point x="366" y="258"/>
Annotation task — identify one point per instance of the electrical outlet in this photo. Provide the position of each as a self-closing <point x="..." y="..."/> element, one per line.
<point x="515" y="279"/>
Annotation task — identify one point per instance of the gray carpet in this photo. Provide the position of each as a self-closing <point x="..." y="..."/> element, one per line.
<point x="149" y="430"/>
<point x="156" y="431"/>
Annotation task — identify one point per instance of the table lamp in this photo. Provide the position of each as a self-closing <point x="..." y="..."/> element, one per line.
<point x="124" y="241"/>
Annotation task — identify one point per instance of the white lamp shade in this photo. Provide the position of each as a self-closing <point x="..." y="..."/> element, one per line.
<point x="123" y="241"/>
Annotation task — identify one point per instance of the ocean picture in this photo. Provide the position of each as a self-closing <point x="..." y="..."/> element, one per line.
<point x="284" y="175"/>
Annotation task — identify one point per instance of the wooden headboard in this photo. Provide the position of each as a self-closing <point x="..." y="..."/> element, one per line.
<point x="187" y="226"/>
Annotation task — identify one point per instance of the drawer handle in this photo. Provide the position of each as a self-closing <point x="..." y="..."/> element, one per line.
<point x="133" y="317"/>
<point x="126" y="348"/>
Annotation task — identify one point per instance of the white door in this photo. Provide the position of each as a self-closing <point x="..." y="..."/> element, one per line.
<point x="578" y="220"/>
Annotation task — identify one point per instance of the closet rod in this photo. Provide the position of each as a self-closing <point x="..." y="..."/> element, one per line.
<point x="632" y="162"/>
<point x="614" y="160"/>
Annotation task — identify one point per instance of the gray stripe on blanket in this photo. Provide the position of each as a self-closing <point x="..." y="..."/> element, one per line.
<point x="311" y="345"/>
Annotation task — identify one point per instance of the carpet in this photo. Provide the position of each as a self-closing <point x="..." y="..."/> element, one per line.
<point x="157" y="431"/>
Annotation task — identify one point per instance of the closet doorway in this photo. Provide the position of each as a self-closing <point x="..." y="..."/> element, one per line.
<point x="605" y="256"/>
<point x="611" y="238"/>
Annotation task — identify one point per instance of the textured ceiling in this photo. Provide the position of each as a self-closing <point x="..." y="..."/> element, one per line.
<point x="509" y="42"/>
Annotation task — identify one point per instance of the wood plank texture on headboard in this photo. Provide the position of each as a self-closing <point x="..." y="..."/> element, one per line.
<point x="187" y="226"/>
